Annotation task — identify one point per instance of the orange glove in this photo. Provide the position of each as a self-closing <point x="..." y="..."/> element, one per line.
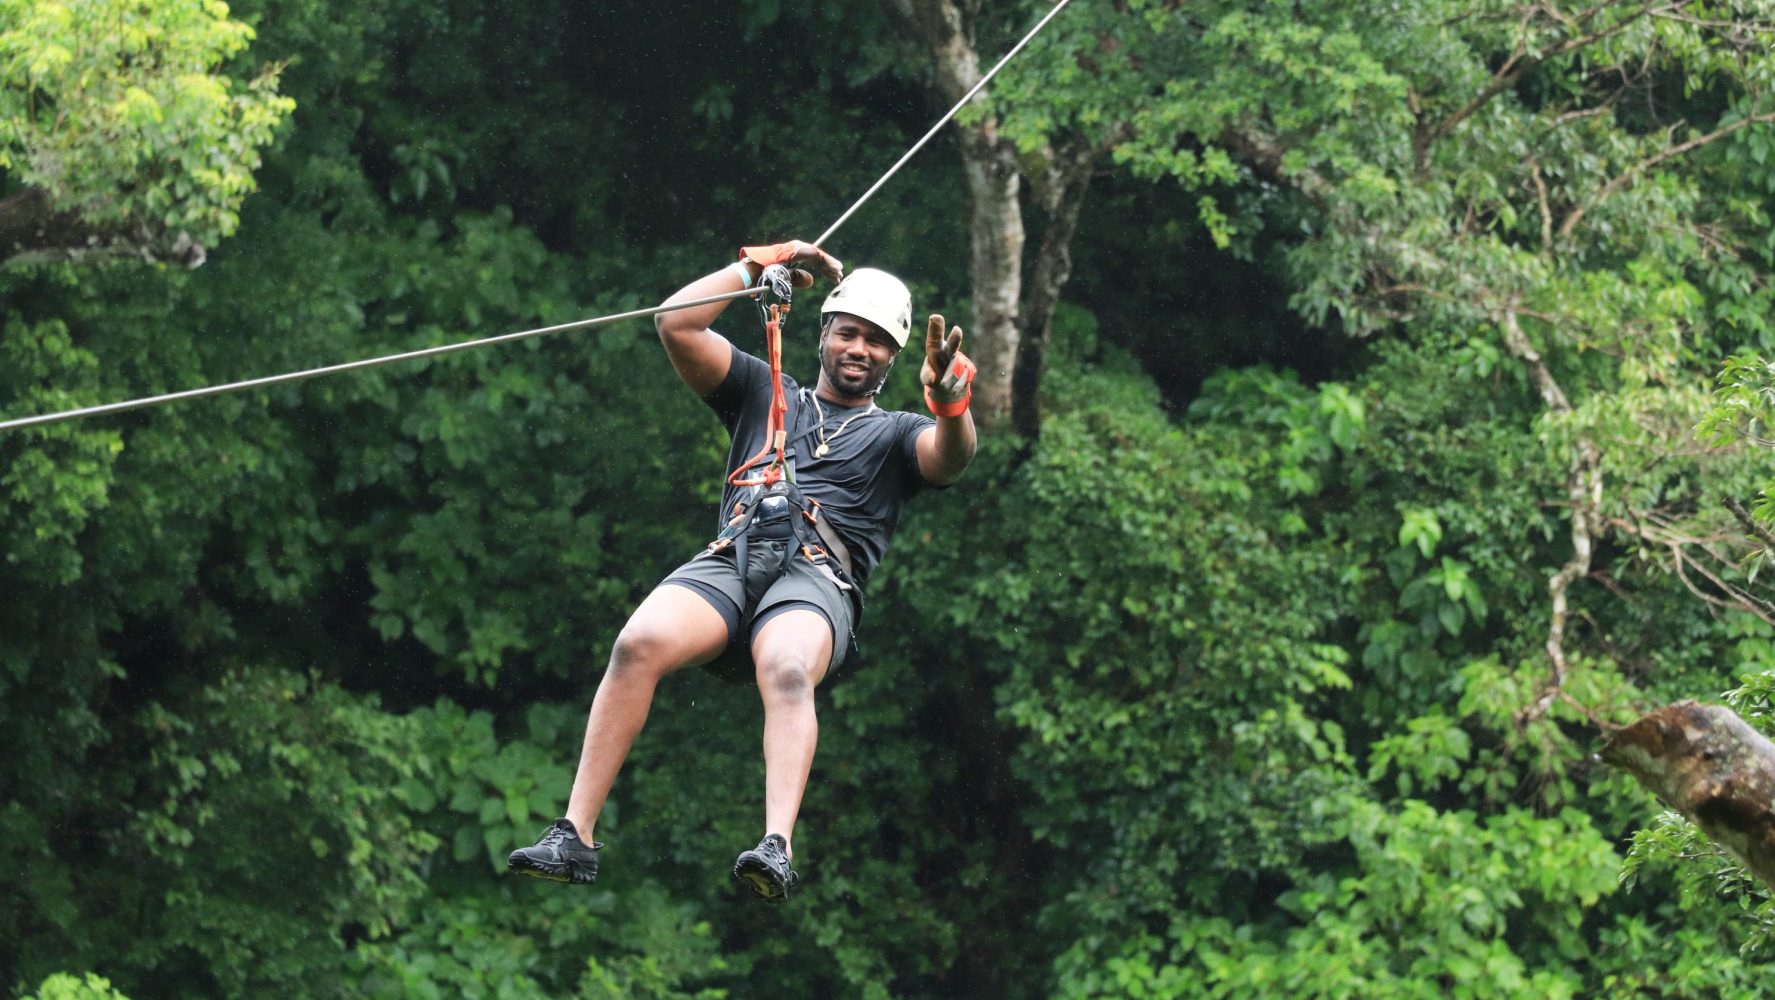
<point x="794" y="252"/>
<point x="948" y="374"/>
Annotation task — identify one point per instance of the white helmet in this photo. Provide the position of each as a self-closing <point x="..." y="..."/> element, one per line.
<point x="876" y="296"/>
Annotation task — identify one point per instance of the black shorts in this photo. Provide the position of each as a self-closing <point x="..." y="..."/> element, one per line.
<point x="803" y="585"/>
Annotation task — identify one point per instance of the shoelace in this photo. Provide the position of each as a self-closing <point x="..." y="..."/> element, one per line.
<point x="774" y="854"/>
<point x="554" y="836"/>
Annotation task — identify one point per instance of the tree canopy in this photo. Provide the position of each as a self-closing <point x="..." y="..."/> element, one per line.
<point x="119" y="131"/>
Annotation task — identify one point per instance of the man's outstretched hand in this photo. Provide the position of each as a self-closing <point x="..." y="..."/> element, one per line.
<point x="948" y="375"/>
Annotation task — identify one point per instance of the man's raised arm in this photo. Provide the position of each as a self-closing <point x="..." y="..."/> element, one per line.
<point x="700" y="355"/>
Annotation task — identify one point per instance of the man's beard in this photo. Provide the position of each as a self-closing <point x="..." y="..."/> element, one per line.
<point x="850" y="385"/>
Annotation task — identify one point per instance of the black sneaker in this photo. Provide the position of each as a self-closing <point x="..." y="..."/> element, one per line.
<point x="766" y="868"/>
<point x="559" y="856"/>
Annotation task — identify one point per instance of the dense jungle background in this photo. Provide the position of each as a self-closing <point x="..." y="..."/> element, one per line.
<point x="1375" y="417"/>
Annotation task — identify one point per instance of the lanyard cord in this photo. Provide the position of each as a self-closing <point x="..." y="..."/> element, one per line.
<point x="775" y="435"/>
<point x="307" y="373"/>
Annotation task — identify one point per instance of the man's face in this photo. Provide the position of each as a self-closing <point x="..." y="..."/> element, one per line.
<point x="854" y="355"/>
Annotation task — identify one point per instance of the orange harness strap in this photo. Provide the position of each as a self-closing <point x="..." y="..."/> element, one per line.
<point x="775" y="435"/>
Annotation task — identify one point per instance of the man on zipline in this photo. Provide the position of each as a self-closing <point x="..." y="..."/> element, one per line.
<point x="783" y="579"/>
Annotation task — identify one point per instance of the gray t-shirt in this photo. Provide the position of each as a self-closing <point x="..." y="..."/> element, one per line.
<point x="866" y="476"/>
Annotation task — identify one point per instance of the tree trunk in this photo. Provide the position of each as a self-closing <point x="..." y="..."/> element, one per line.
<point x="995" y="226"/>
<point x="995" y="219"/>
<point x="33" y="232"/>
<point x="1708" y="764"/>
<point x="1062" y="196"/>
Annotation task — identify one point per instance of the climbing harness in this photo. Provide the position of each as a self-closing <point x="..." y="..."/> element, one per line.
<point x="295" y="376"/>
<point x="772" y="506"/>
<point x="773" y="524"/>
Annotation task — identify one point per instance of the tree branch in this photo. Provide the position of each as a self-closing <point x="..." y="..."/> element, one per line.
<point x="1757" y="531"/>
<point x="1520" y="64"/>
<point x="1584" y="495"/>
<point x="1710" y="765"/>
<point x="32" y="231"/>
<point x="1061" y="193"/>
<point x="1633" y="172"/>
<point x="1662" y="532"/>
<point x="1264" y="153"/>
<point x="1541" y="200"/>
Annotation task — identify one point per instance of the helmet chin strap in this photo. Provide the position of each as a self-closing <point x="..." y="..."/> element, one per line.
<point x="872" y="393"/>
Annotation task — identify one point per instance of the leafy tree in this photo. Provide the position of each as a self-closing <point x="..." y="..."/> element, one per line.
<point x="1743" y="411"/>
<point x="118" y="133"/>
<point x="63" y="986"/>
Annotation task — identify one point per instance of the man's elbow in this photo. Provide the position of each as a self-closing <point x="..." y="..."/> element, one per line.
<point x="952" y="471"/>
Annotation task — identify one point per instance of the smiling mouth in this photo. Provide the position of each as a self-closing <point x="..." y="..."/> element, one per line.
<point x="855" y="369"/>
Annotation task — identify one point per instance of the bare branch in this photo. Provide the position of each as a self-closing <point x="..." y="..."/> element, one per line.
<point x="1579" y="114"/>
<point x="1584" y="494"/>
<point x="1603" y="725"/>
<point x="1729" y="28"/>
<point x="33" y="231"/>
<point x="1737" y="597"/>
<point x="1541" y="200"/>
<point x="1663" y="531"/>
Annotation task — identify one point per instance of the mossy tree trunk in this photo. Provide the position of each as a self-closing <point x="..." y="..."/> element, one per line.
<point x="1708" y="764"/>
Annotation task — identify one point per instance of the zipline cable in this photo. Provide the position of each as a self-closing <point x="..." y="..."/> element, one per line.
<point x="504" y="338"/>
<point x="427" y="352"/>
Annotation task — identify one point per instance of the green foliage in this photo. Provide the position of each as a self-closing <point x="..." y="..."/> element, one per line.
<point x="53" y="491"/>
<point x="484" y="796"/>
<point x="1744" y="411"/>
<point x="116" y="109"/>
<point x="1215" y="693"/>
<point x="265" y="782"/>
<point x="1425" y="909"/>
<point x="63" y="986"/>
<point x="1705" y="876"/>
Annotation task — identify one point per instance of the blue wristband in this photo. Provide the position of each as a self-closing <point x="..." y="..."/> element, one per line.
<point x="745" y="272"/>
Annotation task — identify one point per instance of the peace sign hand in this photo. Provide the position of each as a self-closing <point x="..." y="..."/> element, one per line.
<point x="948" y="374"/>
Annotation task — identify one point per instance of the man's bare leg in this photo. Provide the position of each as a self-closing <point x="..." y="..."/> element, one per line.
<point x="792" y="653"/>
<point x="673" y="628"/>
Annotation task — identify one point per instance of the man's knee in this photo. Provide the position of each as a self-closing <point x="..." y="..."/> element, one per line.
<point x="645" y="648"/>
<point x="674" y="627"/>
<point x="787" y="673"/>
<point x="792" y="651"/>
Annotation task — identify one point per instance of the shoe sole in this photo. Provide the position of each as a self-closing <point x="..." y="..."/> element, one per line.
<point x="567" y="874"/>
<point x="753" y="872"/>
